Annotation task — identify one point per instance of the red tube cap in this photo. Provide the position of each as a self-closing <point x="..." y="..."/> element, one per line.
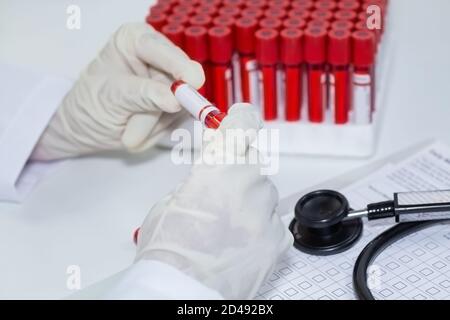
<point x="207" y="10"/>
<point x="230" y="11"/>
<point x="234" y="3"/>
<point x="245" y="29"/>
<point x="282" y="4"/>
<point x="256" y="4"/>
<point x="274" y="12"/>
<point x="267" y="46"/>
<point x="299" y="13"/>
<point x="224" y="21"/>
<point x="185" y="9"/>
<point x="200" y="20"/>
<point x="342" y="25"/>
<point x="252" y="12"/>
<point x="339" y="47"/>
<point x="196" y="43"/>
<point x="345" y="15"/>
<point x="178" y="19"/>
<point x="363" y="48"/>
<point x="319" y="24"/>
<point x="162" y="7"/>
<point x="156" y="20"/>
<point x="349" y="5"/>
<point x="302" y="4"/>
<point x="215" y="3"/>
<point x="295" y="23"/>
<point x="322" y="15"/>
<point x="315" y="45"/>
<point x="291" y="46"/>
<point x="325" y="5"/>
<point x="175" y="33"/>
<point x="220" y="44"/>
<point x="270" y="23"/>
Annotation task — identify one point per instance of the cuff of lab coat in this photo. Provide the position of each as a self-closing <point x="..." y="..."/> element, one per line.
<point x="22" y="134"/>
<point x="148" y="279"/>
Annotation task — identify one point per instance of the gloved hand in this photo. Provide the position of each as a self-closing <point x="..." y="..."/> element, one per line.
<point x="123" y="98"/>
<point x="219" y="226"/>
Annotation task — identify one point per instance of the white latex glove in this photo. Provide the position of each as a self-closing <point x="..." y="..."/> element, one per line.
<point x="123" y="98"/>
<point x="219" y="226"/>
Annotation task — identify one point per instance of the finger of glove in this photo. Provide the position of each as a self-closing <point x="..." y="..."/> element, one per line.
<point x="166" y="57"/>
<point x="139" y="95"/>
<point x="139" y="127"/>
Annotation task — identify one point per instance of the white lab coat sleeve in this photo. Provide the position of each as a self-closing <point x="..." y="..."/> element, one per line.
<point x="154" y="280"/>
<point x="28" y="101"/>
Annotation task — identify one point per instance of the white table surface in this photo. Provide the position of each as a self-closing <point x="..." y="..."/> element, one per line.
<point x="83" y="213"/>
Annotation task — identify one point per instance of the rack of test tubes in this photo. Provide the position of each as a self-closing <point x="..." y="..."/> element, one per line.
<point x="309" y="65"/>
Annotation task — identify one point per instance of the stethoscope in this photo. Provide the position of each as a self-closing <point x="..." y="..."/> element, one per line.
<point x="324" y="224"/>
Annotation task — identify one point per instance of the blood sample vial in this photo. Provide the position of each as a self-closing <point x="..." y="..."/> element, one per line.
<point x="197" y="105"/>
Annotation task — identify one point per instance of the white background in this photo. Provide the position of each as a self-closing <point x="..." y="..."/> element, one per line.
<point x="84" y="212"/>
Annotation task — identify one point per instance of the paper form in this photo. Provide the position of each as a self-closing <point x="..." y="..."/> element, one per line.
<point x="416" y="267"/>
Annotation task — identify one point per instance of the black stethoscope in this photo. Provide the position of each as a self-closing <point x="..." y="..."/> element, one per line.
<point x="325" y="225"/>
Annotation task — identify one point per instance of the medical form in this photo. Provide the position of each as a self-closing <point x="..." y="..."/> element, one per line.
<point x="416" y="267"/>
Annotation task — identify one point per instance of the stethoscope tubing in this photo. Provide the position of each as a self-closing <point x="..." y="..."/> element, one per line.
<point x="376" y="247"/>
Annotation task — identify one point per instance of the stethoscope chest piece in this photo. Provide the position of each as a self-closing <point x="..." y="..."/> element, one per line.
<point x="319" y="227"/>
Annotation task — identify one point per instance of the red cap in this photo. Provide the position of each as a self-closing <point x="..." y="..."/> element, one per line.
<point x="363" y="48"/>
<point x="291" y="46"/>
<point x="345" y="15"/>
<point x="295" y="23"/>
<point x="256" y="3"/>
<point x="220" y="44"/>
<point x="224" y="21"/>
<point x="206" y="10"/>
<point x="325" y="5"/>
<point x="175" y="33"/>
<point x="319" y="24"/>
<point x="181" y="8"/>
<point x="230" y="11"/>
<point x="277" y="13"/>
<point x="178" y="19"/>
<point x="267" y="46"/>
<point x="196" y="43"/>
<point x="339" y="47"/>
<point x="156" y="20"/>
<point x="315" y="45"/>
<point x="349" y="5"/>
<point x="302" y="4"/>
<point x="252" y="12"/>
<point x="270" y="23"/>
<point x="234" y="3"/>
<point x="282" y="4"/>
<point x="215" y="3"/>
<point x="200" y="20"/>
<point x="162" y="7"/>
<point x="299" y="13"/>
<point x="322" y="15"/>
<point x="245" y="29"/>
<point x="342" y="25"/>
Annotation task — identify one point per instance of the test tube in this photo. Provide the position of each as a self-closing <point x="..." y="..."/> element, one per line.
<point x="195" y="45"/>
<point x="302" y="4"/>
<point x="339" y="54"/>
<point x="245" y="44"/>
<point x="220" y="53"/>
<point x="292" y="58"/>
<point x="363" y="85"/>
<point x="174" y="32"/>
<point x="267" y="57"/>
<point x="315" y="57"/>
<point x="197" y="105"/>
<point x="156" y="20"/>
<point x="346" y="15"/>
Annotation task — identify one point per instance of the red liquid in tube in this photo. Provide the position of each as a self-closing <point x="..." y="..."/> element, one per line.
<point x="315" y="57"/>
<point x="267" y="57"/>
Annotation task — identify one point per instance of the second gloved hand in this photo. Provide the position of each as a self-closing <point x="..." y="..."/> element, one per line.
<point x="220" y="225"/>
<point x="123" y="99"/>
